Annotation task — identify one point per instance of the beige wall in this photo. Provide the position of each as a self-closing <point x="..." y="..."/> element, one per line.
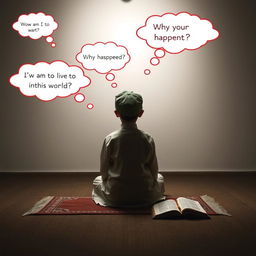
<point x="199" y="105"/>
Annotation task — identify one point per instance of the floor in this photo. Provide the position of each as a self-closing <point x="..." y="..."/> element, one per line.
<point x="126" y="234"/>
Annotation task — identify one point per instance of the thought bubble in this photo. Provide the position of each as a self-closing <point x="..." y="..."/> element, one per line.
<point x="114" y="85"/>
<point x="79" y="97"/>
<point x="110" y="76"/>
<point x="147" y="72"/>
<point x="174" y="33"/>
<point x="36" y="25"/>
<point x="103" y="58"/>
<point x="90" y="106"/>
<point x="177" y="32"/>
<point x="47" y="81"/>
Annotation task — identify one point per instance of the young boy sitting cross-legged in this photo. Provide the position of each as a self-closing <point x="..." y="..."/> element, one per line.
<point x="128" y="163"/>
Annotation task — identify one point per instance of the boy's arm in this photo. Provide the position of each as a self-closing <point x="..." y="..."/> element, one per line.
<point x="104" y="160"/>
<point x="153" y="165"/>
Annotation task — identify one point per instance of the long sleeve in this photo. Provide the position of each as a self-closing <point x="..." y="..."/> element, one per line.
<point x="152" y="163"/>
<point x="104" y="161"/>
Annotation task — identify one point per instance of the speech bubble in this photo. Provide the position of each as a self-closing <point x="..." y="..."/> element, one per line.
<point x="35" y="26"/>
<point x="47" y="81"/>
<point x="103" y="58"/>
<point x="175" y="33"/>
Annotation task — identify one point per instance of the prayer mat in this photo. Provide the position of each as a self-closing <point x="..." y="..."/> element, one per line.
<point x="67" y="205"/>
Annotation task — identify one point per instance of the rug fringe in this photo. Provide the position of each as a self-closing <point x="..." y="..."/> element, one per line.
<point x="215" y="205"/>
<point x="39" y="205"/>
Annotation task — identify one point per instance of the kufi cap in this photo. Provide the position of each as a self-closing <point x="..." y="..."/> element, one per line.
<point x="128" y="103"/>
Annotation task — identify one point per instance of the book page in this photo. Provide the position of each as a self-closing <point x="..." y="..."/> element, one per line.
<point x="185" y="203"/>
<point x="165" y="206"/>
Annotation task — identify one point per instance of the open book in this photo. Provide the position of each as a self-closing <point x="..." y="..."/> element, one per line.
<point x="180" y="208"/>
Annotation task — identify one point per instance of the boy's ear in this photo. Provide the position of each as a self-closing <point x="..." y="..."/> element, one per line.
<point x="141" y="113"/>
<point x="117" y="113"/>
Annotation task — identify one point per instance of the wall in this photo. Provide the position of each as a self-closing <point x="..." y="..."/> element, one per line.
<point x="199" y="105"/>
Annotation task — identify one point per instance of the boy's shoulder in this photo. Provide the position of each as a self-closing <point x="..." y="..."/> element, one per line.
<point x="146" y="134"/>
<point x="111" y="136"/>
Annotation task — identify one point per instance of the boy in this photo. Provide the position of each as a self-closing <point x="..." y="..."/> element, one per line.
<point x="128" y="163"/>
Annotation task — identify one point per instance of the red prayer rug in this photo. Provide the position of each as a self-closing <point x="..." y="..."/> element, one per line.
<point x="66" y="205"/>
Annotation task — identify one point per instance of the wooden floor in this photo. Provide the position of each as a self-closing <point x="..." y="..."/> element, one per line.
<point x="126" y="234"/>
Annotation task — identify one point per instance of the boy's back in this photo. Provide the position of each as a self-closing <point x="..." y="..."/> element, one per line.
<point x="129" y="169"/>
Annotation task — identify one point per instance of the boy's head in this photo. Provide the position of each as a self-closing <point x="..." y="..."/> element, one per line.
<point x="128" y="106"/>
